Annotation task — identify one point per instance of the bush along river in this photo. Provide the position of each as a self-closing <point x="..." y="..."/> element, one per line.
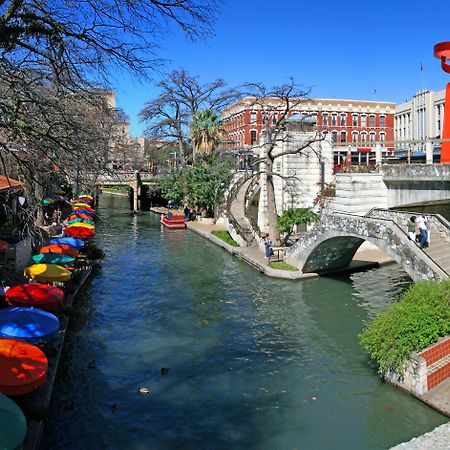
<point x="249" y="362"/>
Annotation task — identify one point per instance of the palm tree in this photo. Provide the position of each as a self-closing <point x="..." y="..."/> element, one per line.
<point x="205" y="131"/>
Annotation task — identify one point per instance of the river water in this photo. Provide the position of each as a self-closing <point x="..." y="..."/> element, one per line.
<point x="255" y="363"/>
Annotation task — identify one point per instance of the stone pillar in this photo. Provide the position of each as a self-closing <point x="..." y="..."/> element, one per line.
<point x="378" y="155"/>
<point x="136" y="197"/>
<point x="429" y="147"/>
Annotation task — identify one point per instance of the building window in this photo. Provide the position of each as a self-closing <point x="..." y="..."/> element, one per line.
<point x="253" y="117"/>
<point x="382" y="137"/>
<point x="324" y="118"/>
<point x="382" y="121"/>
<point x="371" y="120"/>
<point x="343" y="136"/>
<point x="334" y="119"/>
<point x="354" y="136"/>
<point x="343" y="120"/>
<point x="364" y="121"/>
<point x="372" y="136"/>
<point x="355" y="120"/>
<point x="274" y="118"/>
<point x="252" y="137"/>
<point x="363" y="137"/>
<point x="334" y="136"/>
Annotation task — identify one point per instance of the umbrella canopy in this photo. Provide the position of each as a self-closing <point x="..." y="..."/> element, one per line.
<point x="38" y="295"/>
<point x="29" y="324"/>
<point x="79" y="216"/>
<point x="81" y="205"/>
<point x="85" y="197"/>
<point x="73" y="242"/>
<point x="79" y="232"/>
<point x="84" y="209"/>
<point x="52" y="258"/>
<point x="3" y="246"/>
<point x="23" y="367"/>
<point x="82" y="225"/>
<point x="70" y="222"/>
<point x="13" y="425"/>
<point x="60" y="248"/>
<point x="47" y="272"/>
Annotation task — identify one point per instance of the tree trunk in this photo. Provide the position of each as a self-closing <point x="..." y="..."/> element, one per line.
<point x="272" y="215"/>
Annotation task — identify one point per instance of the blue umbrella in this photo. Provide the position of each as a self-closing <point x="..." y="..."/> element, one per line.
<point x="73" y="242"/>
<point x="29" y="324"/>
<point x="82" y="211"/>
<point x="52" y="258"/>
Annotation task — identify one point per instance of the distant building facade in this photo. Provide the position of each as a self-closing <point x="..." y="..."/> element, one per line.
<point x="348" y="122"/>
<point x="420" y="118"/>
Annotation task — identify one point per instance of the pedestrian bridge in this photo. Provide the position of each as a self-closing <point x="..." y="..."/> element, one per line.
<point x="332" y="243"/>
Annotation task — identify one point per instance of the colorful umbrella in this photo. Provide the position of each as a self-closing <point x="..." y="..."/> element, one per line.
<point x="73" y="242"/>
<point x="60" y="248"/>
<point x="42" y="296"/>
<point x="84" y="197"/>
<point x="48" y="201"/>
<point x="85" y="210"/>
<point x="28" y="324"/>
<point x="47" y="272"/>
<point x="79" y="232"/>
<point x="23" y="367"/>
<point x="3" y="246"/>
<point x="81" y="205"/>
<point x="79" y="216"/>
<point x="53" y="258"/>
<point x="70" y="222"/>
<point x="13" y="425"/>
<point x="82" y="225"/>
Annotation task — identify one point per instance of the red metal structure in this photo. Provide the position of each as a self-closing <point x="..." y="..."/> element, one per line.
<point x="442" y="51"/>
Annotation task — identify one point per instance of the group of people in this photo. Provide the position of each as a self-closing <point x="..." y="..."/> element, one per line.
<point x="418" y="230"/>
<point x="52" y="216"/>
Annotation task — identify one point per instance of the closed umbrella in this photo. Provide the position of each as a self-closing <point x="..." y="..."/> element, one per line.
<point x="23" y="367"/>
<point x="53" y="258"/>
<point x="73" y="242"/>
<point x="28" y="324"/>
<point x="13" y="425"/>
<point x="42" y="296"/>
<point x="60" y="248"/>
<point x="79" y="232"/>
<point x="82" y="225"/>
<point x="47" y="272"/>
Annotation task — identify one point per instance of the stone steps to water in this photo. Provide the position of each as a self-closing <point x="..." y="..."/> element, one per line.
<point x="237" y="209"/>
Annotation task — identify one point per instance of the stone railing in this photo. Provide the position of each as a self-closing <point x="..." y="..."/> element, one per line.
<point x="420" y="172"/>
<point x="350" y="229"/>
<point x="436" y="223"/>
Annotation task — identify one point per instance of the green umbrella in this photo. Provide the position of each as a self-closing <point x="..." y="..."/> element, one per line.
<point x="13" y="425"/>
<point x="70" y="222"/>
<point x="52" y="258"/>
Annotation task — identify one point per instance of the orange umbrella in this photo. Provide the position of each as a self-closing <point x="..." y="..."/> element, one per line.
<point x="23" y="367"/>
<point x="79" y="232"/>
<point x="79" y="216"/>
<point x="60" y="248"/>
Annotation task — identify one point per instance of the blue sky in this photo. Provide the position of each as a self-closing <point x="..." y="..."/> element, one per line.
<point x="340" y="49"/>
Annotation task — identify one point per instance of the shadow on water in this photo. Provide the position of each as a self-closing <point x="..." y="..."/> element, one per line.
<point x="255" y="363"/>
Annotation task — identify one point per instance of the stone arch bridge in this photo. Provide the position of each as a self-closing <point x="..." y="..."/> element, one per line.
<point x="333" y="242"/>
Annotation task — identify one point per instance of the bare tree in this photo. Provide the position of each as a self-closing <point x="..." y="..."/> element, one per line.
<point x="169" y="115"/>
<point x="277" y="104"/>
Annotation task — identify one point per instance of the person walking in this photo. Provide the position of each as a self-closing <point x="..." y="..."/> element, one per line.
<point x="412" y="228"/>
<point x="422" y="229"/>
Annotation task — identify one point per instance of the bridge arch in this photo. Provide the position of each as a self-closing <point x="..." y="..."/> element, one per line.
<point x="333" y="242"/>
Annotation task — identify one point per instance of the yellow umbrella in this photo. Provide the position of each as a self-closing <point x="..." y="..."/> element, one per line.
<point x="81" y="204"/>
<point x="47" y="272"/>
<point x="82" y="225"/>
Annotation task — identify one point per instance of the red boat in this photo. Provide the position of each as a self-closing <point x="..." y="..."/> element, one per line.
<point x="171" y="220"/>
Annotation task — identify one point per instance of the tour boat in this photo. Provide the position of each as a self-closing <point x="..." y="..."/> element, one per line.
<point x="171" y="220"/>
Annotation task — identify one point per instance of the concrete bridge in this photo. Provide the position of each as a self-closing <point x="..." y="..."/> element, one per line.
<point x="135" y="180"/>
<point x="333" y="242"/>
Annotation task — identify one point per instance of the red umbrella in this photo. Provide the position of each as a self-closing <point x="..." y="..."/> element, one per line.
<point x="23" y="367"/>
<point x="38" y="295"/>
<point x="61" y="248"/>
<point x="78" y="232"/>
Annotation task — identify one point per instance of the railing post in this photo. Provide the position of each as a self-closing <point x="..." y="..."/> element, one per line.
<point x="429" y="147"/>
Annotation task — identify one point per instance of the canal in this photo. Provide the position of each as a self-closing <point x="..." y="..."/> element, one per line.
<point x="255" y="363"/>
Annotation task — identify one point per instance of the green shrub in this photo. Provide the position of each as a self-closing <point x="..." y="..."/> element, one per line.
<point x="282" y="265"/>
<point x="225" y="236"/>
<point x="420" y="317"/>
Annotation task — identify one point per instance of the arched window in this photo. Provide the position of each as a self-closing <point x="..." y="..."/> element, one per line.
<point x="343" y="136"/>
<point x="253" y="136"/>
<point x="355" y="136"/>
<point x="363" y="137"/>
<point x="372" y="136"/>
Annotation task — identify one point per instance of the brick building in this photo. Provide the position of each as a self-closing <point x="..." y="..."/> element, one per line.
<point x="358" y="124"/>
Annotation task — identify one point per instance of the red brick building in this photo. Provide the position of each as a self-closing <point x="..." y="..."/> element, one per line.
<point x="355" y="123"/>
